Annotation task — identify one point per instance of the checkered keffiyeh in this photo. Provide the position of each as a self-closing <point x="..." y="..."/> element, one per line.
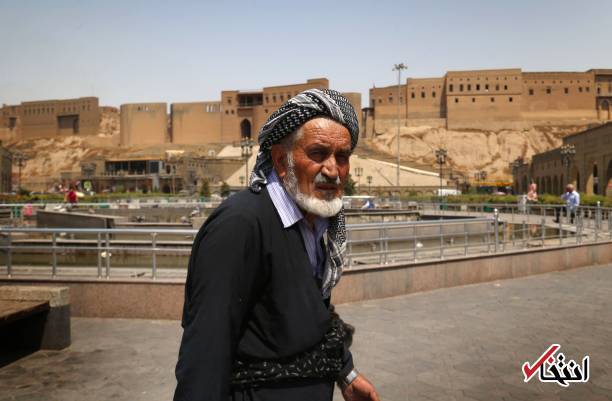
<point x="287" y="119"/>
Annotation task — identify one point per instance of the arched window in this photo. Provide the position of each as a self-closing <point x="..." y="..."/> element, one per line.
<point x="245" y="129"/>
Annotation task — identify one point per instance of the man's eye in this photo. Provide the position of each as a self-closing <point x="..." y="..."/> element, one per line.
<point x="317" y="155"/>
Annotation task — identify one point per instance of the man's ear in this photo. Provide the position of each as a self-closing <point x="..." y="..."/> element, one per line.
<point x="279" y="160"/>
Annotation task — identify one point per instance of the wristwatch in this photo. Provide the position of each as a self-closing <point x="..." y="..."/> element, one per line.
<point x="346" y="381"/>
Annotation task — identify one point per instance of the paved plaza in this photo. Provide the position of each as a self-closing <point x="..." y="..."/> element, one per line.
<point x="463" y="343"/>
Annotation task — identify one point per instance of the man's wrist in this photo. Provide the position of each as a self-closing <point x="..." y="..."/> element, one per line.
<point x="348" y="379"/>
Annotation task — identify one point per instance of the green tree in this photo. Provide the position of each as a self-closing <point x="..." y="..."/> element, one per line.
<point x="349" y="186"/>
<point x="225" y="189"/>
<point x="205" y="188"/>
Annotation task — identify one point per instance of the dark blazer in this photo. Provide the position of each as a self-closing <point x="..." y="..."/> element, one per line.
<point x="250" y="291"/>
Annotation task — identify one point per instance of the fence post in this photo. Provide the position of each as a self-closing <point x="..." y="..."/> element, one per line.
<point x="154" y="255"/>
<point x="441" y="240"/>
<point x="380" y="246"/>
<point x="496" y="227"/>
<point x="596" y="221"/>
<point x="108" y="256"/>
<point x="54" y="252"/>
<point x="560" y="229"/>
<point x="9" y="255"/>
<point x="99" y="246"/>
<point x="543" y="230"/>
<point x="524" y="234"/>
<point x="465" y="239"/>
<point x="414" y="249"/>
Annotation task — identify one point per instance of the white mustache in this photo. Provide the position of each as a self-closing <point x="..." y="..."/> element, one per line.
<point x="322" y="179"/>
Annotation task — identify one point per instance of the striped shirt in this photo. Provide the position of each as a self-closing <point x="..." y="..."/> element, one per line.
<point x="290" y="214"/>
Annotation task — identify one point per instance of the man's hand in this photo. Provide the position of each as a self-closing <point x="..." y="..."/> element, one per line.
<point x="360" y="390"/>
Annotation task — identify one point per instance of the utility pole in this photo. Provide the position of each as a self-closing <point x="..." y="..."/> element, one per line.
<point x="399" y="67"/>
<point x="20" y="159"/>
<point x="441" y="159"/>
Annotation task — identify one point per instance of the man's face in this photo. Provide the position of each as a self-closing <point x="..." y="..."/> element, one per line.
<point x="323" y="151"/>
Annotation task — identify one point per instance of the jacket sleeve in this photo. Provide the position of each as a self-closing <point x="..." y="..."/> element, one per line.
<point x="221" y="283"/>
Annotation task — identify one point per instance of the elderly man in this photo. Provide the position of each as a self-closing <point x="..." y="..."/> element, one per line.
<point x="572" y="201"/>
<point x="257" y="319"/>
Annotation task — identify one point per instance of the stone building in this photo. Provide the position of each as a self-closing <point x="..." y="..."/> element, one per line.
<point x="494" y="99"/>
<point x="50" y="118"/>
<point x="168" y="171"/>
<point x="143" y="124"/>
<point x="239" y="113"/>
<point x="590" y="169"/>
<point x="6" y="169"/>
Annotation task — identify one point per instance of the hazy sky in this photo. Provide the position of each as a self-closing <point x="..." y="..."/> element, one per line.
<point x="149" y="51"/>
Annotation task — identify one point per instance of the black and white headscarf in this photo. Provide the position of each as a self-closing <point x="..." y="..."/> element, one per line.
<point x="287" y="119"/>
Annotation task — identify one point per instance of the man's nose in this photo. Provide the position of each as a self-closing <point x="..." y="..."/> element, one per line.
<point x="330" y="168"/>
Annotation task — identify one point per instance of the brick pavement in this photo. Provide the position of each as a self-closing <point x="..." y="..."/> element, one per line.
<point x="462" y="343"/>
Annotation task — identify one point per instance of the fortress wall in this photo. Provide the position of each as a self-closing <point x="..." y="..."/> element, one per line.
<point x="196" y="123"/>
<point x="426" y="98"/>
<point x="143" y="124"/>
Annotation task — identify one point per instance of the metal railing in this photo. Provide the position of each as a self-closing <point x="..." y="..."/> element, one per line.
<point x="164" y="253"/>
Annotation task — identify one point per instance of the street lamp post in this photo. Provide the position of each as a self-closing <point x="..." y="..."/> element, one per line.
<point x="441" y="159"/>
<point x="369" y="178"/>
<point x="480" y="176"/>
<point x="567" y="154"/>
<point x="399" y="67"/>
<point x="20" y="159"/>
<point x="514" y="166"/>
<point x="358" y="174"/>
<point x="246" y="146"/>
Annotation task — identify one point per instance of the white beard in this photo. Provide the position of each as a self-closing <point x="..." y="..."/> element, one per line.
<point x="308" y="203"/>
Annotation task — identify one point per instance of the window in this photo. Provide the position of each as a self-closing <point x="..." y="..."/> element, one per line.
<point x="510" y="99"/>
<point x="587" y="89"/>
<point x="548" y="91"/>
<point x="598" y="91"/>
<point x="566" y="90"/>
<point x="412" y="95"/>
<point x="461" y="88"/>
<point x="422" y="95"/>
<point x="492" y="100"/>
<point x="226" y="112"/>
<point x="487" y="87"/>
<point x="379" y="100"/>
<point x="433" y="94"/>
<point x="267" y="100"/>
<point x="530" y="92"/>
<point x="232" y="111"/>
<point x="469" y="87"/>
<point x="282" y="98"/>
<point x="274" y="98"/>
<point x="390" y="99"/>
<point x="477" y="87"/>
<point x="580" y="89"/>
<point x="505" y="87"/>
<point x="456" y="100"/>
<point x="496" y="87"/>
<point x="229" y="100"/>
<point x="450" y="87"/>
<point x="473" y="100"/>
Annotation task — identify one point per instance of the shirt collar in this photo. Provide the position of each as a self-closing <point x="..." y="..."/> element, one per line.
<point x="286" y="207"/>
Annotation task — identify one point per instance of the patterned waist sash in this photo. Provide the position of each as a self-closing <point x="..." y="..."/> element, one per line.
<point x="323" y="361"/>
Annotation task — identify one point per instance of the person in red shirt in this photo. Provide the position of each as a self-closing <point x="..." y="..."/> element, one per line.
<point x="71" y="197"/>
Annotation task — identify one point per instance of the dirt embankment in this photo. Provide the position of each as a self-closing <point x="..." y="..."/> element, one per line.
<point x="472" y="150"/>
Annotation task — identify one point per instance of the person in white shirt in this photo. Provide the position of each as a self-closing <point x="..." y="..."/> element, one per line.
<point x="572" y="201"/>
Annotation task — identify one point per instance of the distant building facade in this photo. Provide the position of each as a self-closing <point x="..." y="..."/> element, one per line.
<point x="50" y="118"/>
<point x="168" y="172"/>
<point x="6" y="169"/>
<point x="493" y="98"/>
<point x="239" y="113"/>
<point x="589" y="170"/>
